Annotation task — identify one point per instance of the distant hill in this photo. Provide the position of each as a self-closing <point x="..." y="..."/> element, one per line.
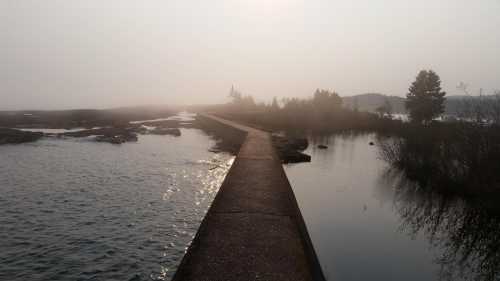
<point x="370" y="102"/>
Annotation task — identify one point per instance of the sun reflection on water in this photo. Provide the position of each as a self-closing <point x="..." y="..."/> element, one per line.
<point x="207" y="182"/>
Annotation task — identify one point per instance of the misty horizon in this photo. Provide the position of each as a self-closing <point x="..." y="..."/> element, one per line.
<point x="62" y="55"/>
<point x="182" y="107"/>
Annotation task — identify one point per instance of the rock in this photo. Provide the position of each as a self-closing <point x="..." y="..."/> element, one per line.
<point x="13" y="136"/>
<point x="114" y="135"/>
<point x="298" y="143"/>
<point x="293" y="143"/>
<point x="166" y="131"/>
<point x="120" y="134"/>
<point x="293" y="156"/>
<point x="322" y="146"/>
<point x="289" y="149"/>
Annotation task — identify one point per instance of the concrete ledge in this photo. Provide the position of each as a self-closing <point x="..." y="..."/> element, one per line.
<point x="254" y="229"/>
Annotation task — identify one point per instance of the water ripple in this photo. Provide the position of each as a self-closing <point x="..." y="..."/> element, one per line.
<point x="75" y="210"/>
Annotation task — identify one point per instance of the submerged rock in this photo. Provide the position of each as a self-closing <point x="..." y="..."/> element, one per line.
<point x="322" y="146"/>
<point x="14" y="136"/>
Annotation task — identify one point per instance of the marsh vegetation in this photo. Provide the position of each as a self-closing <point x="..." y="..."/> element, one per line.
<point x="457" y="154"/>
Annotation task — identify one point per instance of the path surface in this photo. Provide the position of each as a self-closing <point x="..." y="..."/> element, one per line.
<point x="254" y="229"/>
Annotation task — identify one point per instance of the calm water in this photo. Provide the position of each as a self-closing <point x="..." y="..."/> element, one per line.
<point x="370" y="223"/>
<point x="73" y="209"/>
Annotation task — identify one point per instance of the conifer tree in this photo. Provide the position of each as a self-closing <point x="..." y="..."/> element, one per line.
<point x="425" y="100"/>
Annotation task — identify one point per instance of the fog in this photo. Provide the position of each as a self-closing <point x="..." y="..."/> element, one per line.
<point x="95" y="54"/>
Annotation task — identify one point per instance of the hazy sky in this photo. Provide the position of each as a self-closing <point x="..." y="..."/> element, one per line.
<point x="102" y="53"/>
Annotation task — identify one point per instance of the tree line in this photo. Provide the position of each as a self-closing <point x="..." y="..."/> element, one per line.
<point x="424" y="102"/>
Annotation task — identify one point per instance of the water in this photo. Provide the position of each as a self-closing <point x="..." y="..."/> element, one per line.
<point x="368" y="222"/>
<point x="182" y="116"/>
<point x="74" y="209"/>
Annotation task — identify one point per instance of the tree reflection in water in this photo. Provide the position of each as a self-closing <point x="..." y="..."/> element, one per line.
<point x="466" y="233"/>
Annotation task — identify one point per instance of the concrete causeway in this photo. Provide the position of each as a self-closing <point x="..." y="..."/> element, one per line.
<point x="254" y="229"/>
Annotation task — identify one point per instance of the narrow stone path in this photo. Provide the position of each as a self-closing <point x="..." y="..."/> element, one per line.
<point x="254" y="229"/>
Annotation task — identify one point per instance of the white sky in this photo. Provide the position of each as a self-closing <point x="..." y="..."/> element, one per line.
<point x="104" y="53"/>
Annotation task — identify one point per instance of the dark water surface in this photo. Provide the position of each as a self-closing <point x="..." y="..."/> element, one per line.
<point x="73" y="209"/>
<point x="368" y="222"/>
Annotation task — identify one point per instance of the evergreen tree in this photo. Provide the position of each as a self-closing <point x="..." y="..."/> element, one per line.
<point x="235" y="95"/>
<point x="326" y="101"/>
<point x="240" y="101"/>
<point x="425" y="100"/>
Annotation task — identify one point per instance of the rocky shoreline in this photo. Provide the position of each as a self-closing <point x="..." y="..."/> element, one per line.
<point x="111" y="134"/>
<point x="119" y="135"/>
